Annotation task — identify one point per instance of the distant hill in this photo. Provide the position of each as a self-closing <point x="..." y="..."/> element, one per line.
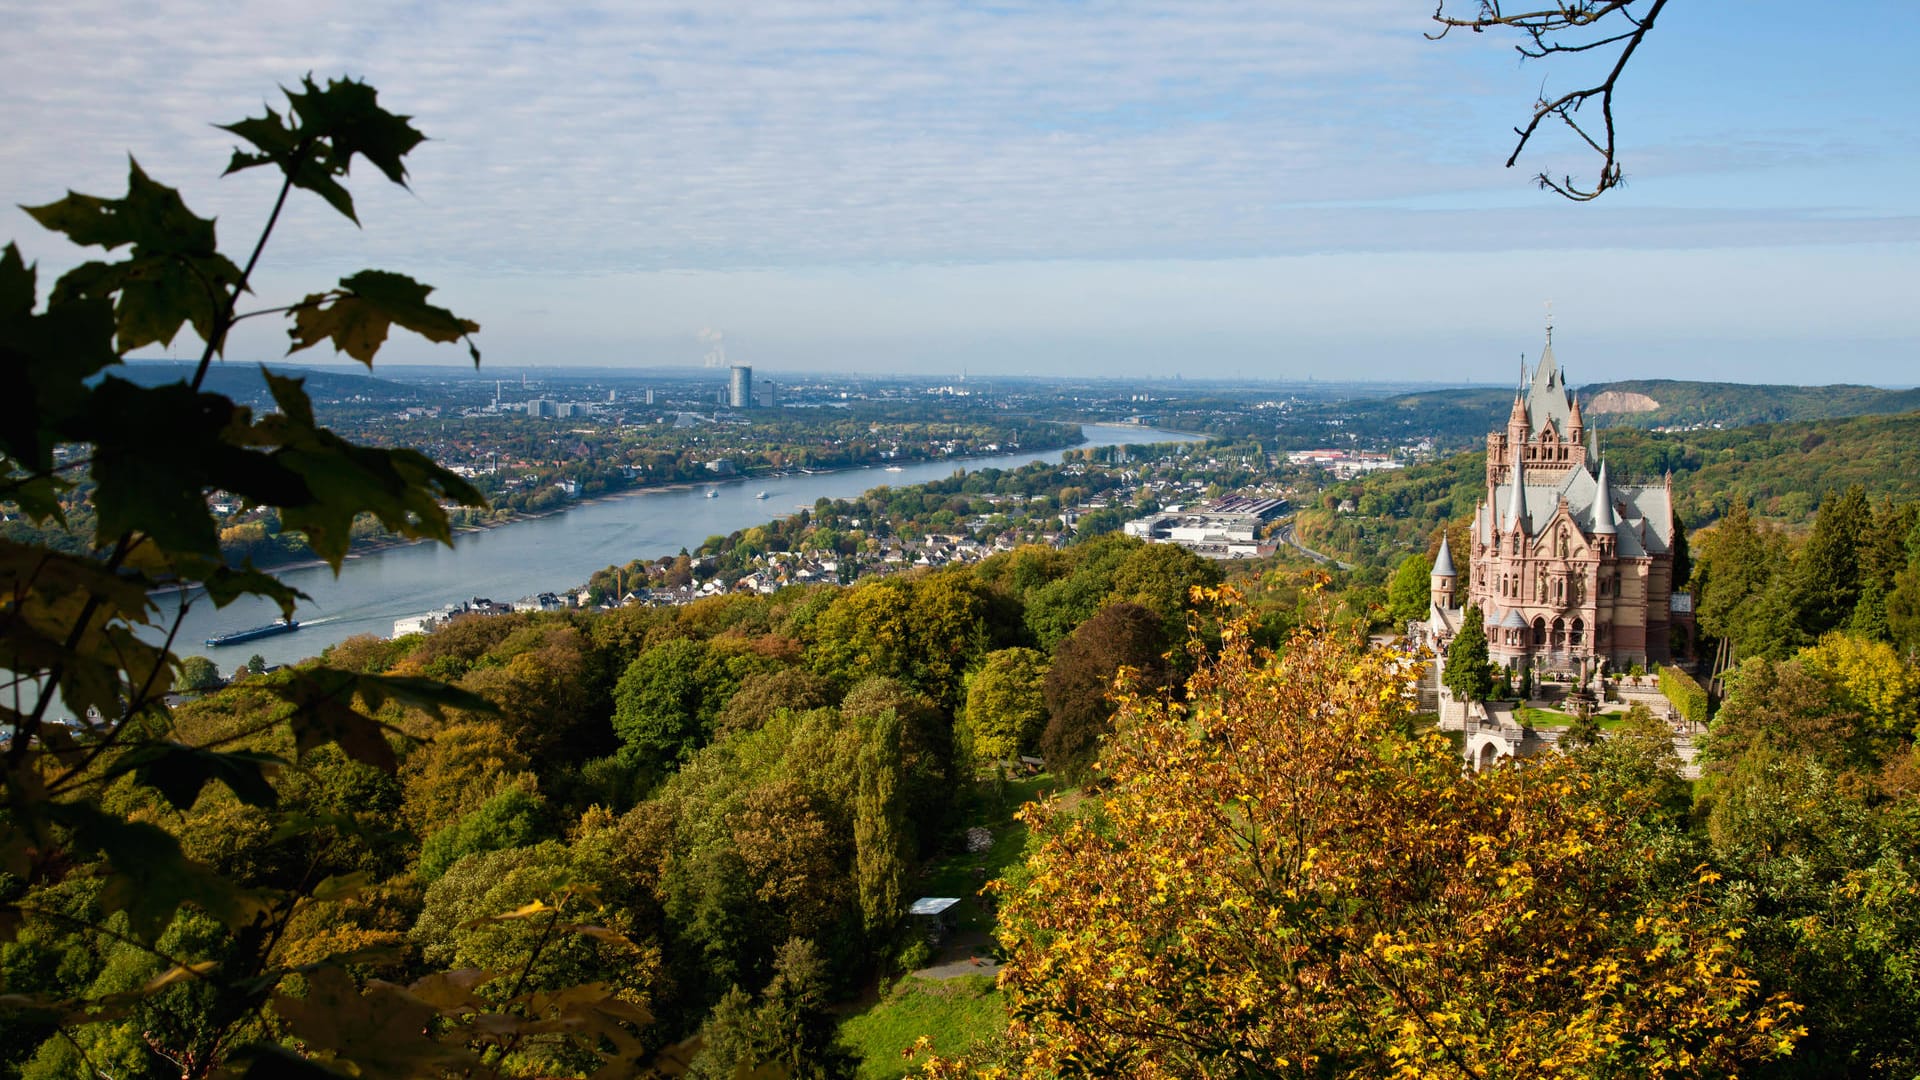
<point x="1651" y="403"/>
<point x="1781" y="471"/>
<point x="1462" y="417"/>
<point x="242" y="381"/>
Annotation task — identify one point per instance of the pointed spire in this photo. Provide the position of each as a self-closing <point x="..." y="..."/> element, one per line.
<point x="1603" y="506"/>
<point x="1517" y="500"/>
<point x="1443" y="563"/>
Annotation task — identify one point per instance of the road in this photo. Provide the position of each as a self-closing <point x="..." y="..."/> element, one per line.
<point x="1285" y="536"/>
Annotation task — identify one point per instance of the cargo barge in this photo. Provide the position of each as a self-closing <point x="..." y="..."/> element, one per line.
<point x="284" y="626"/>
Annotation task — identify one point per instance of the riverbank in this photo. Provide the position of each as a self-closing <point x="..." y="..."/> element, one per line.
<point x="378" y="585"/>
<point x="361" y="548"/>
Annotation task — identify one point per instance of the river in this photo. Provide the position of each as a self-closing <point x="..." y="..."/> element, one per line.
<point x="551" y="553"/>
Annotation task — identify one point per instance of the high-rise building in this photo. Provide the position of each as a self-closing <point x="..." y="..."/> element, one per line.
<point x="740" y="387"/>
<point x="766" y="394"/>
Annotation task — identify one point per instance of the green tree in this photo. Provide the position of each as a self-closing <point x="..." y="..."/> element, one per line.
<point x="197" y="673"/>
<point x="1006" y="708"/>
<point x="1410" y="593"/>
<point x="664" y="707"/>
<point x="1827" y="583"/>
<point x="513" y="818"/>
<point x="1468" y="672"/>
<point x="1743" y="579"/>
<point x="880" y="866"/>
<point x="789" y="1031"/>
<point x="1160" y="577"/>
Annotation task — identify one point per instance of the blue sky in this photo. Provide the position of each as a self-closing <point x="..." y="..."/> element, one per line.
<point x="1280" y="188"/>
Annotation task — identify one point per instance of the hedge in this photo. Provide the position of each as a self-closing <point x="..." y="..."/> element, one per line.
<point x="1685" y="692"/>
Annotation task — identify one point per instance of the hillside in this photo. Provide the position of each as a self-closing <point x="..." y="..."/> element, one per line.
<point x="1780" y="471"/>
<point x="1649" y="403"/>
<point x="1461" y="417"/>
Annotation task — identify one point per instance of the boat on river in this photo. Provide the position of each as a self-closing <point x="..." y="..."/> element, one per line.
<point x="712" y="494"/>
<point x="763" y="495"/>
<point x="284" y="626"/>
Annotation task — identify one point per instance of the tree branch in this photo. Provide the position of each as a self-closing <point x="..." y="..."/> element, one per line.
<point x="1544" y="28"/>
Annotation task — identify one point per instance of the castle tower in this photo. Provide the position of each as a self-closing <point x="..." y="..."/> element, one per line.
<point x="1444" y="582"/>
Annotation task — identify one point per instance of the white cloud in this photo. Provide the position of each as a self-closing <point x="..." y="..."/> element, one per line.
<point x="576" y="146"/>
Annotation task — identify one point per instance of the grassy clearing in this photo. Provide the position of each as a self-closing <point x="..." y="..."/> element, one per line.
<point x="962" y="874"/>
<point x="954" y="1013"/>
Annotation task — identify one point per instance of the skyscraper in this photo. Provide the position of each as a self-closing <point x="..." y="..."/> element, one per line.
<point x="740" y="387"/>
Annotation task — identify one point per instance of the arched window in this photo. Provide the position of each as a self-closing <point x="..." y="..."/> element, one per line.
<point x="1539" y="632"/>
<point x="1559" y="634"/>
<point x="1578" y="628"/>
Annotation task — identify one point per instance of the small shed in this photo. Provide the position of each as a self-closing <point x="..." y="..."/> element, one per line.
<point x="930" y="912"/>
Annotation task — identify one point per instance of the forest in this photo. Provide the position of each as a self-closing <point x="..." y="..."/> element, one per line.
<point x="736" y="795"/>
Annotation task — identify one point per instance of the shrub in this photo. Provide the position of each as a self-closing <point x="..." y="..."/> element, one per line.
<point x="1686" y="693"/>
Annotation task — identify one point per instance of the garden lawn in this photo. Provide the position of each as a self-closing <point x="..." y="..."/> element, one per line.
<point x="953" y="1013"/>
<point x="1554" y="718"/>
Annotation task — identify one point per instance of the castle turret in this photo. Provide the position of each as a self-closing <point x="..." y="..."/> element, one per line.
<point x="1444" y="582"/>
<point x="1517" y="499"/>
<point x="1603" y="520"/>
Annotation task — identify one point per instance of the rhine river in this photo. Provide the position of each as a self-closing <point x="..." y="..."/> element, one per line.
<point x="551" y="553"/>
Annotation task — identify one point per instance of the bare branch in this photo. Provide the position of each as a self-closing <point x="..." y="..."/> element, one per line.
<point x="1547" y="30"/>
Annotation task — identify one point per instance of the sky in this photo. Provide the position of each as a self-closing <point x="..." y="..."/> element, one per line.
<point x="1276" y="189"/>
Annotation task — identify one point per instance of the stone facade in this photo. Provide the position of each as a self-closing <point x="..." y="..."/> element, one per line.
<point x="1570" y="567"/>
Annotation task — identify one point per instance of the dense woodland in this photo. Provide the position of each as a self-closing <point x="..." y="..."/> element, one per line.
<point x="743" y="787"/>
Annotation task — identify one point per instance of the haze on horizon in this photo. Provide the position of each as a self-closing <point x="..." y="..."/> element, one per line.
<point x="1220" y="188"/>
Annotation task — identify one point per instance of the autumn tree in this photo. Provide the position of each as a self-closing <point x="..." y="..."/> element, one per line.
<point x="1079" y="684"/>
<point x="1279" y="882"/>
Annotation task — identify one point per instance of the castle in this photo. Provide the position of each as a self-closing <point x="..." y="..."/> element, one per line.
<point x="1570" y="567"/>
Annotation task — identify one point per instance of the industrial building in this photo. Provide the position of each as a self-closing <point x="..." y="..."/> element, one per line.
<point x="1225" y="529"/>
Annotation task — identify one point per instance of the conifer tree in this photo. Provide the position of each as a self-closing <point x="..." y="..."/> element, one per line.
<point x="1469" y="674"/>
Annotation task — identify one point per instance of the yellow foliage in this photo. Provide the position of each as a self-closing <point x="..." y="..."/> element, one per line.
<point x="1280" y="879"/>
<point x="1868" y="676"/>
